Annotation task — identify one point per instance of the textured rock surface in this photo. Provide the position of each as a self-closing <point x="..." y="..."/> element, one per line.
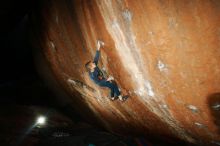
<point x="164" y="54"/>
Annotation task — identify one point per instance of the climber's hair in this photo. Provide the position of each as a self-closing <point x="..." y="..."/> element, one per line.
<point x="87" y="66"/>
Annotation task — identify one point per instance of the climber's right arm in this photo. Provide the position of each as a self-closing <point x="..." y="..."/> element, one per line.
<point x="96" y="59"/>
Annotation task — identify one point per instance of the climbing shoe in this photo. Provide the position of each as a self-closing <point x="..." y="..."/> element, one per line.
<point x="113" y="98"/>
<point x="123" y="98"/>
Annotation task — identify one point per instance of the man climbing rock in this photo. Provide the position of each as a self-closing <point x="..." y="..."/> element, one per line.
<point x="97" y="76"/>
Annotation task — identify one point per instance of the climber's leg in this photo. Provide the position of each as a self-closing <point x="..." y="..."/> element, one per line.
<point x="116" y="90"/>
<point x="110" y="86"/>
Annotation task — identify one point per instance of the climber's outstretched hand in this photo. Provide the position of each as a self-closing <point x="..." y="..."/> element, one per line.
<point x="99" y="44"/>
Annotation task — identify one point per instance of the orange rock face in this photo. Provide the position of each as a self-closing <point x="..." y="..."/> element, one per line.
<point x="164" y="54"/>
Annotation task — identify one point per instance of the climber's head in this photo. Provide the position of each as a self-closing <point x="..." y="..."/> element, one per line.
<point x="90" y="66"/>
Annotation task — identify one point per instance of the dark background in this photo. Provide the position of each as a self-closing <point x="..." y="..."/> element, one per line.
<point x="19" y="81"/>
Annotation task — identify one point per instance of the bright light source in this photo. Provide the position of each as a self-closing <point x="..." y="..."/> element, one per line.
<point x="41" y="120"/>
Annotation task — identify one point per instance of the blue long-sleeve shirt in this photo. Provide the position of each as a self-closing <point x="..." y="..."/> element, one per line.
<point x="97" y="75"/>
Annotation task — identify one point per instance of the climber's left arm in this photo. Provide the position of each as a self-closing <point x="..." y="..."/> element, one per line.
<point x="97" y="55"/>
<point x="96" y="59"/>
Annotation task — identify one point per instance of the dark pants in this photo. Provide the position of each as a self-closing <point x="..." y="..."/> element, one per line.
<point x="113" y="86"/>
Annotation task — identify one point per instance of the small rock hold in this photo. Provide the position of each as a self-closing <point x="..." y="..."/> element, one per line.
<point x="216" y="106"/>
<point x="149" y="88"/>
<point x="164" y="106"/>
<point x="161" y="66"/>
<point x="216" y="142"/>
<point x="199" y="125"/>
<point x="193" y="108"/>
<point x="150" y="33"/>
<point x="127" y="15"/>
<point x="71" y="81"/>
<point x="130" y="92"/>
<point x="53" y="47"/>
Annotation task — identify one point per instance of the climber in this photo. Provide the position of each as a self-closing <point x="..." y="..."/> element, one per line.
<point x="97" y="76"/>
